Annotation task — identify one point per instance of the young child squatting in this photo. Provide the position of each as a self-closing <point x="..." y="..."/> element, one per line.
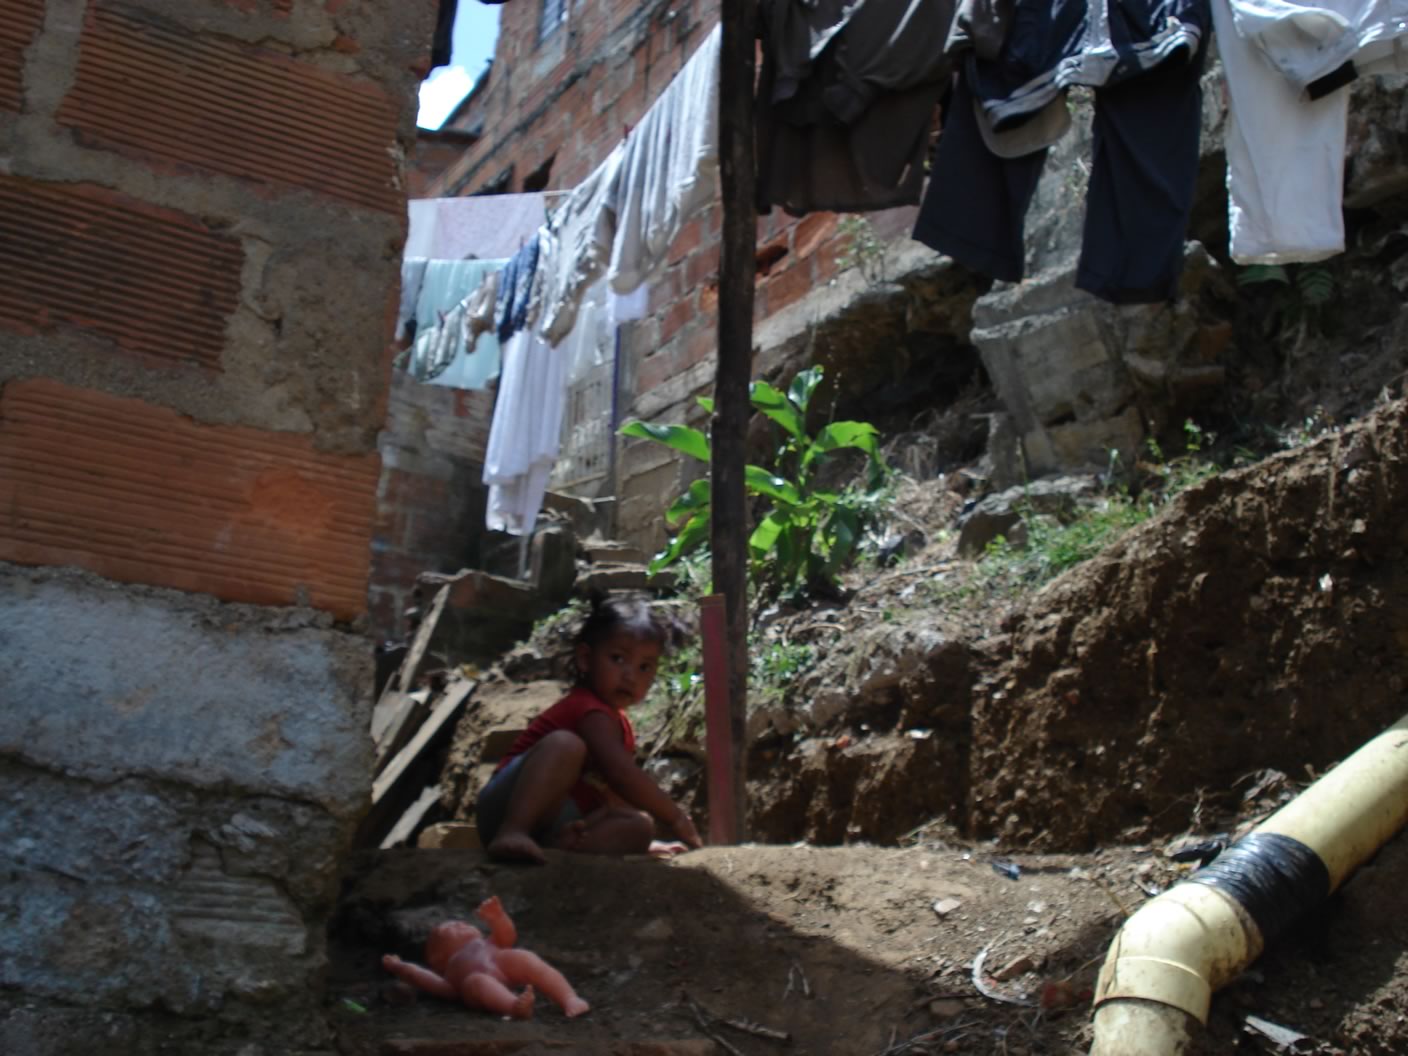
<point x="570" y="781"/>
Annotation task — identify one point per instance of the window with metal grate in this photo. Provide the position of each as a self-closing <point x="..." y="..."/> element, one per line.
<point x="554" y="14"/>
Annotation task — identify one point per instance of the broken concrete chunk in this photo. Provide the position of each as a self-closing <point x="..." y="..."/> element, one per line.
<point x="1013" y="968"/>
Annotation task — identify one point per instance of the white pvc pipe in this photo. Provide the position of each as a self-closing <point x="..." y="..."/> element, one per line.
<point x="1171" y="955"/>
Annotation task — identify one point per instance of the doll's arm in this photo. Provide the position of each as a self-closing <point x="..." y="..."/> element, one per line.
<point x="417" y="976"/>
<point x="502" y="933"/>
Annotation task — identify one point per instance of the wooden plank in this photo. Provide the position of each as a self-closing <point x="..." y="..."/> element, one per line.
<point x="410" y="711"/>
<point x="737" y="274"/>
<point x="410" y="821"/>
<point x="446" y="709"/>
<point x="410" y="667"/>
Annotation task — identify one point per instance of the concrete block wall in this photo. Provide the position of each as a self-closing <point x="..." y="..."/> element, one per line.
<point x="201" y="214"/>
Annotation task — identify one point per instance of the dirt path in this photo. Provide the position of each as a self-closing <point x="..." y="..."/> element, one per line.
<point x="843" y="950"/>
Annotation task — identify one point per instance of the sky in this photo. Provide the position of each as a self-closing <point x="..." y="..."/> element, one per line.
<point x="476" y="30"/>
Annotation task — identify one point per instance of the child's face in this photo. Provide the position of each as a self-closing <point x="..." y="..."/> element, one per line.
<point x="620" y="668"/>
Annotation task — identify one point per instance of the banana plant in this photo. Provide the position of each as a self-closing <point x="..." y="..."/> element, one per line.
<point x="808" y="533"/>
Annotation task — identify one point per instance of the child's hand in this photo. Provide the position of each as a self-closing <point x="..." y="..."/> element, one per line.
<point x="685" y="830"/>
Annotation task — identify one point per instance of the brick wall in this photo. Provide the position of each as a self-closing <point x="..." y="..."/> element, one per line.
<point x="202" y="207"/>
<point x="430" y="500"/>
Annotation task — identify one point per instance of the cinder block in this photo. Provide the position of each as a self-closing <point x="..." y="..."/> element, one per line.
<point x="450" y="836"/>
<point x="157" y="91"/>
<point x="141" y="494"/>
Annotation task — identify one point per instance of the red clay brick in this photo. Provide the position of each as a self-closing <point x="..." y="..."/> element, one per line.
<point x="686" y="242"/>
<point x="789" y="286"/>
<point x="679" y="313"/>
<point x="811" y="231"/>
<point x="702" y="266"/>
<point x="156" y="282"/>
<point x="141" y="494"/>
<point x="702" y="344"/>
<point x="20" y="21"/>
<point x="656" y="370"/>
<point x="156" y="91"/>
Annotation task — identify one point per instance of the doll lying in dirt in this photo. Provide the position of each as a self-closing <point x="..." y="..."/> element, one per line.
<point x="482" y="972"/>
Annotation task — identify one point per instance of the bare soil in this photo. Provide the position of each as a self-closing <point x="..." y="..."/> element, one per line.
<point x="842" y="950"/>
<point x="1182" y="684"/>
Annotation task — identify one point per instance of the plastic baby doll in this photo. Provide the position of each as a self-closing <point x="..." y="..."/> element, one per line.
<point x="481" y="972"/>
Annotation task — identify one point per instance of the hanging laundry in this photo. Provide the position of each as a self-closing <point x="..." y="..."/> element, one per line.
<point x="489" y="226"/>
<point x="578" y="245"/>
<point x="1285" y="158"/>
<point x="669" y="168"/>
<point x="480" y="307"/>
<point x="1285" y="66"/>
<point x="515" y="286"/>
<point x="412" y="275"/>
<point x="1320" y="45"/>
<point x="525" y="433"/>
<point x="980" y="26"/>
<point x="846" y="100"/>
<point x="1145" y="61"/>
<point x="441" y="353"/>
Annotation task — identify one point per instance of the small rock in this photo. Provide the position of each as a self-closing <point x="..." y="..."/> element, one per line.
<point x="658" y="930"/>
<point x="944" y="906"/>
<point x="946" y="1008"/>
<point x="1014" y="968"/>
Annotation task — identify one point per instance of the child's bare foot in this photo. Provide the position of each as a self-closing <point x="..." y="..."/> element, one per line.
<point x="569" y="837"/>
<point x="523" y="1004"/>
<point x="575" y="1007"/>
<point x="516" y="847"/>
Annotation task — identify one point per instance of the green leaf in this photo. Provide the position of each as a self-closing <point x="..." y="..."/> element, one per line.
<point x="696" y="498"/>
<point x="776" y="406"/>
<point x="803" y="385"/>
<point x="765" y="536"/>
<point x="860" y="435"/>
<point x="760" y="482"/>
<point x="691" y="536"/>
<point x="680" y="437"/>
<point x="707" y="402"/>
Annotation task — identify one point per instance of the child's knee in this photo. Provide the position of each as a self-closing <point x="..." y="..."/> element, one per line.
<point x="640" y="830"/>
<point x="565" y="744"/>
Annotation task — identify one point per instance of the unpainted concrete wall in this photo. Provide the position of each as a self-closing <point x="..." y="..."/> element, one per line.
<point x="201" y="215"/>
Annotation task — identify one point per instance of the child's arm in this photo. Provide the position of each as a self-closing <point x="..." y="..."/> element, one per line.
<point x="629" y="781"/>
<point x="417" y="976"/>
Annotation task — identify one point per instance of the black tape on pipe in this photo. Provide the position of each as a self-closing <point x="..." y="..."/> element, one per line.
<point x="1273" y="877"/>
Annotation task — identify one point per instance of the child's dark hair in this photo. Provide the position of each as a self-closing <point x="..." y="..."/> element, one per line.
<point x="633" y="614"/>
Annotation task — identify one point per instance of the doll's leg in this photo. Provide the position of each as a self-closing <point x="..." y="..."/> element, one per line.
<point x="502" y="933"/>
<point x="523" y="967"/>
<point x="484" y="991"/>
